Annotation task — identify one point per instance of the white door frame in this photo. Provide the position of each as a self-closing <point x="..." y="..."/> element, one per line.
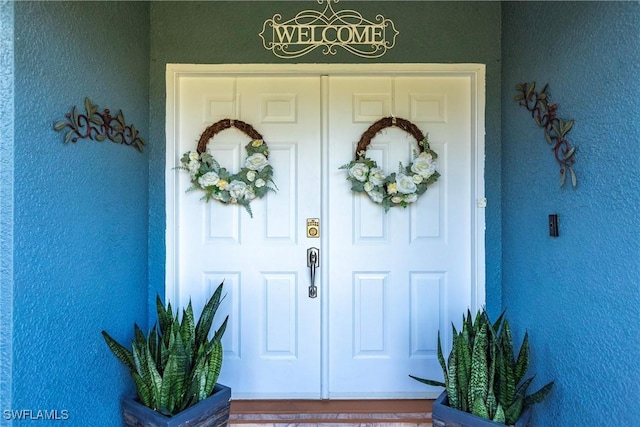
<point x="476" y="73"/>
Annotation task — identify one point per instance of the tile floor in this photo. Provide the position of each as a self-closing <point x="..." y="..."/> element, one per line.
<point x="370" y="413"/>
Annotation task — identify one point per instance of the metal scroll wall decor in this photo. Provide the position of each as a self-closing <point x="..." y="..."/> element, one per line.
<point x="311" y="29"/>
<point x="99" y="126"/>
<point x="544" y="112"/>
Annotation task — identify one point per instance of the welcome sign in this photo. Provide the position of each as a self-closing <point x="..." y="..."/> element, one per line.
<point x="311" y="29"/>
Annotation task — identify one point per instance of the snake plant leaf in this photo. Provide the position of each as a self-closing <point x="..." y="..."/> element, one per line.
<point x="507" y="382"/>
<point x="512" y="413"/>
<point x="539" y="395"/>
<point x="453" y="393"/>
<point x="144" y="393"/>
<point x="491" y="404"/>
<point x="479" y="382"/>
<point x="206" y="317"/>
<point x="464" y="367"/>
<point x="429" y="382"/>
<point x="155" y="380"/>
<point x="139" y="335"/>
<point x="187" y="328"/>
<point x="521" y="391"/>
<point x="153" y="344"/>
<point x="507" y="342"/>
<point x="119" y="351"/>
<point x="499" y="416"/>
<point x="498" y="323"/>
<point x="215" y="365"/>
<point x="138" y="361"/>
<point x="172" y="385"/>
<point x="523" y="360"/>
<point x="220" y="332"/>
<point x="164" y="316"/>
<point x="480" y="409"/>
<point x="492" y="370"/>
<point x="443" y="365"/>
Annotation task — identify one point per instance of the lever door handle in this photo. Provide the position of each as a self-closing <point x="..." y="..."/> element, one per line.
<point x="313" y="262"/>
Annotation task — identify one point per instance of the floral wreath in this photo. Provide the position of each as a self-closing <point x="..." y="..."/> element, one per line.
<point x="217" y="182"/>
<point x="398" y="189"/>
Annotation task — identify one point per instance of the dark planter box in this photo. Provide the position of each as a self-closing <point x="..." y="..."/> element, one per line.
<point x="445" y="416"/>
<point x="211" y="412"/>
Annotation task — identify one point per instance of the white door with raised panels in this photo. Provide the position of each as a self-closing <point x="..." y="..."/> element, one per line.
<point x="386" y="282"/>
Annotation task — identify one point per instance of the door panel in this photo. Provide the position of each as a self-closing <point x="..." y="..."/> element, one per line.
<point x="273" y="331"/>
<point x="396" y="277"/>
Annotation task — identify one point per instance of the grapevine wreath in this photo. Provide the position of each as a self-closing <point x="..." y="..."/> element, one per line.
<point x="217" y="182"/>
<point x="397" y="189"/>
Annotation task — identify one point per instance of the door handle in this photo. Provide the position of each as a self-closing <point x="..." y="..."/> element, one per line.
<point x="313" y="262"/>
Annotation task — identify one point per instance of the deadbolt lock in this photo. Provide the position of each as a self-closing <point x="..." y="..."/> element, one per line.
<point x="313" y="228"/>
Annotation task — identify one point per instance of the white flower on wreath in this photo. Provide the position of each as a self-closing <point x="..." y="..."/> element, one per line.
<point x="256" y="162"/>
<point x="209" y="179"/>
<point x="397" y="199"/>
<point x="359" y="171"/>
<point x="392" y="188"/>
<point x="237" y="189"/>
<point x="418" y="179"/>
<point x="249" y="194"/>
<point x="376" y="196"/>
<point x="368" y="186"/>
<point x="376" y="176"/>
<point x="405" y="184"/>
<point x="251" y="176"/>
<point x="260" y="183"/>
<point x="194" y="156"/>
<point x="423" y="165"/>
<point x="410" y="198"/>
<point x="194" y="168"/>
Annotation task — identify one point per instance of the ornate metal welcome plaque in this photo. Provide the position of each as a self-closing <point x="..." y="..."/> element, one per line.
<point x="311" y="29"/>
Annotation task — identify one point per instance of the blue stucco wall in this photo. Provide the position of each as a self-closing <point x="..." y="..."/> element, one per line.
<point x="6" y="201"/>
<point x="80" y="210"/>
<point x="227" y="32"/>
<point x="578" y="295"/>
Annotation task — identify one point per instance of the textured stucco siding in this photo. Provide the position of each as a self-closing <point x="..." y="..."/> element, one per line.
<point x="80" y="209"/>
<point x="577" y="294"/>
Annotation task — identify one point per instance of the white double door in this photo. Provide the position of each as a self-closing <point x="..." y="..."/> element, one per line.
<point x="387" y="282"/>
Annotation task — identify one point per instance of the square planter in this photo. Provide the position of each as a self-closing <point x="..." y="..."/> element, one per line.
<point x="211" y="412"/>
<point x="445" y="416"/>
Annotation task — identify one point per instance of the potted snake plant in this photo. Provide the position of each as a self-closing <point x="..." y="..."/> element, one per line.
<point x="484" y="381"/>
<point x="175" y="370"/>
